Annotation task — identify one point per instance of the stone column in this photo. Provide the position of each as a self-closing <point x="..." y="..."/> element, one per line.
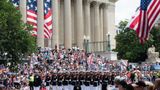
<point x="55" y="25"/>
<point x="111" y="25"/>
<point x="87" y="22"/>
<point x="105" y="14"/>
<point x="49" y="42"/>
<point x="92" y="20"/>
<point x="101" y="24"/>
<point x="61" y="22"/>
<point x="97" y="22"/>
<point x="23" y="10"/>
<point x="73" y="22"/>
<point x="87" y="17"/>
<point x="67" y="26"/>
<point x="40" y="32"/>
<point x="97" y="27"/>
<point x="105" y="26"/>
<point x="101" y="28"/>
<point x="79" y="23"/>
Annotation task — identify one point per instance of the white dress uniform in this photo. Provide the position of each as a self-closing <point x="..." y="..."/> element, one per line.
<point x="87" y="85"/>
<point x="83" y="86"/>
<point x="37" y="81"/>
<point x="54" y="87"/>
<point x="65" y="84"/>
<point x="70" y="86"/>
<point x="60" y="86"/>
<point x="48" y="87"/>
<point x="37" y="88"/>
<point x="95" y="85"/>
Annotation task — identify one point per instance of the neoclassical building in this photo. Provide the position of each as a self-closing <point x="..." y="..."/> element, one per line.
<point x="75" y="21"/>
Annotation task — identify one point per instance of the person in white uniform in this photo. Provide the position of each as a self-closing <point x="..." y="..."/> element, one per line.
<point x="54" y="81"/>
<point x="37" y="81"/>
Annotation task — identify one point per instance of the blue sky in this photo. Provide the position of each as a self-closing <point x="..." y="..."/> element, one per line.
<point x="125" y="9"/>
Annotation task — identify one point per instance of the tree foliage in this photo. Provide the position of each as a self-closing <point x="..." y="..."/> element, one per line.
<point x="129" y="47"/>
<point x="15" y="38"/>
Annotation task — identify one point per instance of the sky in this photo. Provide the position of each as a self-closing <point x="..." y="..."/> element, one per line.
<point x="125" y="9"/>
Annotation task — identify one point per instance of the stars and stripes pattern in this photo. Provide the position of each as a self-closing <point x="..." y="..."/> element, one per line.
<point x="145" y="18"/>
<point x="47" y="19"/>
<point x="15" y="3"/>
<point x="32" y="15"/>
<point x="90" y="59"/>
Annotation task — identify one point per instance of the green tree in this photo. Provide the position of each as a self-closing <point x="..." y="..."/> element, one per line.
<point x="156" y="38"/>
<point x="15" y="38"/>
<point x="128" y="46"/>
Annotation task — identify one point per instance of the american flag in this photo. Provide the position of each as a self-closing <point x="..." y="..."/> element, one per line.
<point x="145" y="18"/>
<point x="32" y="15"/>
<point x="47" y="19"/>
<point x="90" y="59"/>
<point x="15" y="3"/>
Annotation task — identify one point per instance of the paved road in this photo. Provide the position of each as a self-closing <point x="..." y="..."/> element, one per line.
<point x="109" y="87"/>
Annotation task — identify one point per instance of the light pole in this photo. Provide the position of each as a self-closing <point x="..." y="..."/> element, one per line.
<point x="86" y="43"/>
<point x="108" y="42"/>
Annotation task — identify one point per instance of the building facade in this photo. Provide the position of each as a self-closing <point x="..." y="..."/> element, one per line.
<point x="158" y="23"/>
<point x="77" y="21"/>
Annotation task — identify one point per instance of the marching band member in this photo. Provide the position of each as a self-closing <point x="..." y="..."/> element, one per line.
<point x="65" y="82"/>
<point x="54" y="81"/>
<point x="59" y="81"/>
<point x="31" y="81"/>
<point x="37" y="81"/>
<point x="87" y="82"/>
<point x="47" y="81"/>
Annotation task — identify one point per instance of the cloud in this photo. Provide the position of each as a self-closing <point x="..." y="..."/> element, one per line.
<point x="125" y="9"/>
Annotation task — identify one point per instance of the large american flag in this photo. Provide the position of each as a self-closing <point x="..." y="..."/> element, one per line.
<point x="145" y="18"/>
<point x="47" y="19"/>
<point x="32" y="15"/>
<point x="15" y="3"/>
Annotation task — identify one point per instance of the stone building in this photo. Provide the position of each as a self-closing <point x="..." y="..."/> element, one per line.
<point x="75" y="21"/>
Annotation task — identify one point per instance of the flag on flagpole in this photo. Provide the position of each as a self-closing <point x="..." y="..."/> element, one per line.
<point x="32" y="15"/>
<point x="15" y="3"/>
<point x="47" y="19"/>
<point x="145" y="18"/>
<point x="90" y="59"/>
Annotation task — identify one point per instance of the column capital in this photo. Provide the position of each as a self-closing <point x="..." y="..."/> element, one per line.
<point x="111" y="5"/>
<point x="104" y="5"/>
<point x="95" y="4"/>
<point x="86" y="2"/>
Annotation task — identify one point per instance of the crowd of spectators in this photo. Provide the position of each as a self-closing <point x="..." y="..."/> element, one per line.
<point x="47" y="61"/>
